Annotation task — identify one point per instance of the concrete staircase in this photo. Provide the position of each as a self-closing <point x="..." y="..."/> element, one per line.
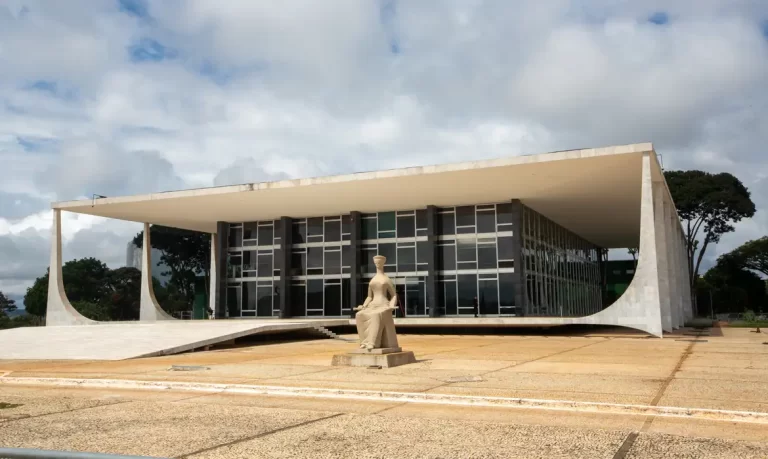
<point x="333" y="335"/>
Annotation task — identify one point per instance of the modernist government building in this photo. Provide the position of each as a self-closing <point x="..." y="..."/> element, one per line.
<point x="518" y="241"/>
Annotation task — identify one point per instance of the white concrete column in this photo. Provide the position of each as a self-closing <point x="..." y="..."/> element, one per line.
<point x="149" y="310"/>
<point x="687" y="306"/>
<point x="674" y="274"/>
<point x="640" y="305"/>
<point x="59" y="310"/>
<point x="665" y="258"/>
<point x="214" y="276"/>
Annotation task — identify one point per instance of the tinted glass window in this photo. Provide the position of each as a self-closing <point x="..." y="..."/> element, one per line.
<point x="333" y="300"/>
<point x="389" y="251"/>
<point x="486" y="222"/>
<point x="486" y="256"/>
<point x="299" y="233"/>
<point x="314" y="257"/>
<point x="406" y="226"/>
<point x="332" y="262"/>
<point x="506" y="289"/>
<point x="504" y="213"/>
<point x="298" y="263"/>
<point x="506" y="246"/>
<point x="447" y="224"/>
<point x="249" y="295"/>
<point x="332" y="231"/>
<point x="387" y="221"/>
<point x="235" y="237"/>
<point x="447" y="261"/>
<point x="449" y="298"/>
<point x="421" y="219"/>
<point x="265" y="235"/>
<point x="315" y="294"/>
<point x="265" y="266"/>
<point x="467" y="284"/>
<point x="264" y="303"/>
<point x="250" y="230"/>
<point x="489" y="297"/>
<point x="315" y="226"/>
<point x="465" y="216"/>
<point x="406" y="259"/>
<point x="369" y="229"/>
<point x="298" y="300"/>
<point x="233" y="301"/>
<point x="465" y="250"/>
<point x="423" y="251"/>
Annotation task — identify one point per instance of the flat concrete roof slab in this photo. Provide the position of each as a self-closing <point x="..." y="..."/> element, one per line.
<point x="119" y="341"/>
<point x="593" y="192"/>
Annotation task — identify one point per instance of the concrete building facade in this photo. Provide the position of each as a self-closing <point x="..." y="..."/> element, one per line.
<point x="515" y="241"/>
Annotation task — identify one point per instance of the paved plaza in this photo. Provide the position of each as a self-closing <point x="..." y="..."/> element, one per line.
<point x="572" y="394"/>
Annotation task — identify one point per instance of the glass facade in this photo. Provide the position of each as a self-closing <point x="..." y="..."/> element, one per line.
<point x="562" y="271"/>
<point x="476" y="266"/>
<point x="401" y="237"/>
<point x="473" y="259"/>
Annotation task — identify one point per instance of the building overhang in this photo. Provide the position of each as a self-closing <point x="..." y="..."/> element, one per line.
<point x="593" y="192"/>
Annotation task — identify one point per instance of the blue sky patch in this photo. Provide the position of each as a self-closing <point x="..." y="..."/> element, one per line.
<point x="659" y="18"/>
<point x="137" y="8"/>
<point x="149" y="49"/>
<point x="387" y="17"/>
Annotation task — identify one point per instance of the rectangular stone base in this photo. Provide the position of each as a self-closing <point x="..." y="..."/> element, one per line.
<point x="389" y="360"/>
<point x="379" y="351"/>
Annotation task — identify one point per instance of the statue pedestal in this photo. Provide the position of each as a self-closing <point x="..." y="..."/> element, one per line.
<point x="387" y="357"/>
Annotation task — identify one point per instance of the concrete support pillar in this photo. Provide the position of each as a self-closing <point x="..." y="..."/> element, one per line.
<point x="355" y="241"/>
<point x="222" y="246"/>
<point x="433" y="300"/>
<point x="59" y="311"/>
<point x="213" y="287"/>
<point x="666" y="258"/>
<point x="149" y="309"/>
<point x="640" y="305"/>
<point x="518" y="233"/>
<point x="284" y="284"/>
<point x="687" y="306"/>
<point x="680" y="278"/>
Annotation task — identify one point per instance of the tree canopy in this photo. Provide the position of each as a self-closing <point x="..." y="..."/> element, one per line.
<point x="734" y="288"/>
<point x="185" y="253"/>
<point x="753" y="255"/>
<point x="6" y="304"/>
<point x="98" y="292"/>
<point x="708" y="205"/>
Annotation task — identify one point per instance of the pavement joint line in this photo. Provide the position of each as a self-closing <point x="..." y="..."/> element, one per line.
<point x="517" y="364"/>
<point x="261" y="435"/>
<point x="626" y="446"/>
<point x="101" y="405"/>
<point x="405" y="397"/>
<point x="665" y="384"/>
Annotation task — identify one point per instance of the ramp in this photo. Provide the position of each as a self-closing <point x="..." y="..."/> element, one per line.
<point x="121" y="341"/>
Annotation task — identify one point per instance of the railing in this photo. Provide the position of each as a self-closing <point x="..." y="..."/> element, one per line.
<point x="14" y="453"/>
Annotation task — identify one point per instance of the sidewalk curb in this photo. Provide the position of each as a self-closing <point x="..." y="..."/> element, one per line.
<point x="401" y="397"/>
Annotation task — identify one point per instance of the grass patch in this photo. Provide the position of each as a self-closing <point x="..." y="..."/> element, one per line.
<point x="5" y="406"/>
<point x="744" y="324"/>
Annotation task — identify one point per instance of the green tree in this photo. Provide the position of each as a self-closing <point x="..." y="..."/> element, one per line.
<point x="734" y="289"/>
<point x="708" y="205"/>
<point x="93" y="311"/>
<point x="185" y="253"/>
<point x="36" y="298"/>
<point x="6" y="304"/>
<point x="753" y="255"/>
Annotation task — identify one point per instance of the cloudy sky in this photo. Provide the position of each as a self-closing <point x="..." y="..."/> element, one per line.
<point x="133" y="96"/>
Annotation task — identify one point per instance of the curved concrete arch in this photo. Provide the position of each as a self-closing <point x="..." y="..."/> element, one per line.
<point x="149" y="308"/>
<point x="59" y="311"/>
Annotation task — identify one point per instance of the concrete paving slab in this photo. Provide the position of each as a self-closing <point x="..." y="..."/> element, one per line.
<point x="661" y="446"/>
<point x="379" y="436"/>
<point x="144" y="428"/>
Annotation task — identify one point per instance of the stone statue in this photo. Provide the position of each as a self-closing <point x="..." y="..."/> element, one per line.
<point x="375" y="325"/>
